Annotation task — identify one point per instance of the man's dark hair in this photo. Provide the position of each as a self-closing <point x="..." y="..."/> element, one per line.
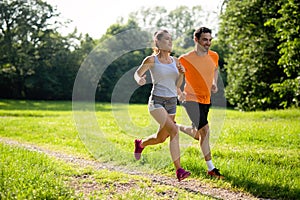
<point x="201" y="30"/>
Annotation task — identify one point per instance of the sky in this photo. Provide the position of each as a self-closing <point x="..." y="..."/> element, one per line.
<point x="95" y="16"/>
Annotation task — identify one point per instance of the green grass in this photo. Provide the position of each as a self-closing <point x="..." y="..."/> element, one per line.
<point x="32" y="175"/>
<point x="28" y="175"/>
<point x="258" y="152"/>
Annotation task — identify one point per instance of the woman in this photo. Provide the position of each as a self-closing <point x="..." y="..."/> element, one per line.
<point x="167" y="75"/>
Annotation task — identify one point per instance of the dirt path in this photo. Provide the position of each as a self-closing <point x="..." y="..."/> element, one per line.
<point x="190" y="185"/>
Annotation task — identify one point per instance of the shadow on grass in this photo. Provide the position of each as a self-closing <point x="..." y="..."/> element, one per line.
<point x="52" y="105"/>
<point x="265" y="191"/>
<point x="274" y="190"/>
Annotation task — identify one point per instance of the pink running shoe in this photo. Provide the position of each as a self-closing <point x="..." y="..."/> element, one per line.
<point x="182" y="174"/>
<point x="138" y="149"/>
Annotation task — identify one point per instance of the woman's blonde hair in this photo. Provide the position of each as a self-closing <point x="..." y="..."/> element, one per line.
<point x="157" y="36"/>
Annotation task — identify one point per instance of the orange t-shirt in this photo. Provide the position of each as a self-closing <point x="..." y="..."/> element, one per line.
<point x="199" y="75"/>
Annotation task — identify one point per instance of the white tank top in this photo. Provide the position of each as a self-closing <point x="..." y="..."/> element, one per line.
<point x="164" y="78"/>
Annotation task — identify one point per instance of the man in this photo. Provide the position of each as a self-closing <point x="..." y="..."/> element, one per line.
<point x="201" y="76"/>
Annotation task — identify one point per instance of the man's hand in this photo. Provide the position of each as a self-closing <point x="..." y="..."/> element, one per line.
<point x="180" y="68"/>
<point x="182" y="96"/>
<point x="214" y="88"/>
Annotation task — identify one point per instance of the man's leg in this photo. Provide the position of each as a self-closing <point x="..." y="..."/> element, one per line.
<point x="193" y="111"/>
<point x="205" y="148"/>
<point x="189" y="130"/>
<point x="204" y="142"/>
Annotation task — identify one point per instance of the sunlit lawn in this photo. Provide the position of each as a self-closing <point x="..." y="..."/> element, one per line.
<point x="258" y="152"/>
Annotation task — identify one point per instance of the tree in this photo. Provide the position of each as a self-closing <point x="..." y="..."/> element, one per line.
<point x="116" y="54"/>
<point x="181" y="22"/>
<point x="253" y="55"/>
<point x="287" y="31"/>
<point x="22" y="26"/>
<point x="35" y="59"/>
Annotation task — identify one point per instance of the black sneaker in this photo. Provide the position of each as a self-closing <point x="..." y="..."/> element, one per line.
<point x="215" y="173"/>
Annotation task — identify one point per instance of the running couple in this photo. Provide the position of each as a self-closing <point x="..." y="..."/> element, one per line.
<point x="200" y="68"/>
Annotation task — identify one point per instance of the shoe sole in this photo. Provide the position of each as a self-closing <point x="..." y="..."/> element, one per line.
<point x="137" y="156"/>
<point x="216" y="176"/>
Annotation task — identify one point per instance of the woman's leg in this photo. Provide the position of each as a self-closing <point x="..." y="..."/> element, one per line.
<point x="174" y="144"/>
<point x="167" y="128"/>
<point x="161" y="116"/>
<point x="175" y="150"/>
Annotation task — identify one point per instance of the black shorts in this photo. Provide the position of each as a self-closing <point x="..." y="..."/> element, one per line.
<point x="197" y="112"/>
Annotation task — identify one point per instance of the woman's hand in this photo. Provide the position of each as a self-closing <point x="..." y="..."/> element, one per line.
<point x="142" y="80"/>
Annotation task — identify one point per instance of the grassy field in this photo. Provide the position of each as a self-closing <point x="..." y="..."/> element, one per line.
<point x="258" y="152"/>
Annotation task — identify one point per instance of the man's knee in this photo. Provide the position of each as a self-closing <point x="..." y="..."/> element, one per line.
<point x="201" y="133"/>
<point x="204" y="131"/>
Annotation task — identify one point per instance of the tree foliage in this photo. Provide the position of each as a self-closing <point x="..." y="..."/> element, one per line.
<point x="122" y="42"/>
<point x="258" y="42"/>
<point x="253" y="56"/>
<point x="179" y="21"/>
<point x="287" y="28"/>
<point x="36" y="61"/>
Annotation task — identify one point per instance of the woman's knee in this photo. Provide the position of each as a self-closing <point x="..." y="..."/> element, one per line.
<point x="173" y="130"/>
<point x="161" y="139"/>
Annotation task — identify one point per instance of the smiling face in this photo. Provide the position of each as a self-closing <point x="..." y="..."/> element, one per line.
<point x="204" y="41"/>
